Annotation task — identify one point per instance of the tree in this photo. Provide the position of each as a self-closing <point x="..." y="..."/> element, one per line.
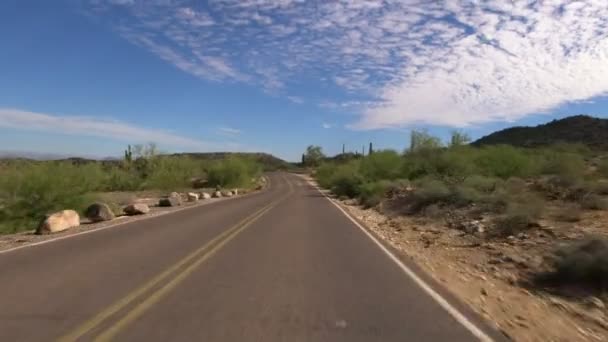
<point x="303" y="159"/>
<point x="459" y="138"/>
<point x="422" y="140"/>
<point x="371" y="149"/>
<point x="313" y="155"/>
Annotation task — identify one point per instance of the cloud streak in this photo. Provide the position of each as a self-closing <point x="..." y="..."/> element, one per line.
<point x="452" y="63"/>
<point x="114" y="130"/>
<point x="229" y="131"/>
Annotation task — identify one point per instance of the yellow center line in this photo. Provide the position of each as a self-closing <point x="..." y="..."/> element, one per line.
<point x="141" y="308"/>
<point x="206" y="250"/>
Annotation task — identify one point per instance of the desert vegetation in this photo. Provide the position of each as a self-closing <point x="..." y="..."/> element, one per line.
<point x="31" y="189"/>
<point x="510" y="190"/>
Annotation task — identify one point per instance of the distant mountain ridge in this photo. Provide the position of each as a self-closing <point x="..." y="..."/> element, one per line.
<point x="269" y="161"/>
<point x="582" y="129"/>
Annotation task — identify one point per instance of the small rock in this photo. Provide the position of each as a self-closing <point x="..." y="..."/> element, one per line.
<point x="235" y="192"/>
<point x="484" y="292"/>
<point x="192" y="197"/>
<point x="136" y="209"/>
<point x="58" y="222"/>
<point x="175" y="194"/>
<point x="473" y="227"/>
<point x="204" y="196"/>
<point x="217" y="194"/>
<point x="98" y="212"/>
<point x="227" y="194"/>
<point x="170" y="202"/>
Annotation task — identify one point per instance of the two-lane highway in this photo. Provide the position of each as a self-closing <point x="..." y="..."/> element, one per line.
<point x="281" y="265"/>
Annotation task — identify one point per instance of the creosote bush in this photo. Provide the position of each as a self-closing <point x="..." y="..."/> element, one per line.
<point x="507" y="181"/>
<point x="29" y="189"/>
<point x="583" y="263"/>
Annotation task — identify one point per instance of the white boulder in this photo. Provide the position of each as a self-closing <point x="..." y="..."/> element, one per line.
<point x="58" y="222"/>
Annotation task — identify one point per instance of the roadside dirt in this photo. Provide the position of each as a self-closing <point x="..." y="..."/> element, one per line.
<point x="489" y="276"/>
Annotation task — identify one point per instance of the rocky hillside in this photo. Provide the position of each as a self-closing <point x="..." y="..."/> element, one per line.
<point x="582" y="129"/>
<point x="269" y="161"/>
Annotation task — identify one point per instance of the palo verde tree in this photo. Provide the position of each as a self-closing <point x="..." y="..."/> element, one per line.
<point x="313" y="155"/>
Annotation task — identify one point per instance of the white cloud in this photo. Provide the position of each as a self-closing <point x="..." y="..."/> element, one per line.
<point x="326" y="125"/>
<point x="295" y="99"/>
<point x="114" y="130"/>
<point x="229" y="131"/>
<point x="490" y="60"/>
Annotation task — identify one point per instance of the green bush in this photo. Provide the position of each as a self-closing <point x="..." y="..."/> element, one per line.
<point x="583" y="263"/>
<point x="31" y="190"/>
<point x="427" y="192"/>
<point x="521" y="214"/>
<point x="346" y="180"/>
<point x="233" y="172"/>
<point x="371" y="193"/>
<point x="504" y="162"/>
<point x="323" y="174"/>
<point x="482" y="183"/>
<point x="381" y="165"/>
<point x="565" y="165"/>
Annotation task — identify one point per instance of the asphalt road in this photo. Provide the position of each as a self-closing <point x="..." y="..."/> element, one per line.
<point x="281" y="265"/>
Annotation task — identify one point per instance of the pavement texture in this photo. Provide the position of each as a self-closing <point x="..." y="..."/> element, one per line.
<point x="284" y="264"/>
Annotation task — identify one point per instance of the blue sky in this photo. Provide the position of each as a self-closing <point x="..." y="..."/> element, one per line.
<point x="89" y="77"/>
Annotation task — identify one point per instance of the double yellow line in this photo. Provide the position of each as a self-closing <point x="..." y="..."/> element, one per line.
<point x="193" y="260"/>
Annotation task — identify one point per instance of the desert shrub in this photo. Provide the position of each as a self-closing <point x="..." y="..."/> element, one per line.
<point x="428" y="191"/>
<point x="371" y="193"/>
<point x="324" y="173"/>
<point x="504" y="161"/>
<point x="346" y="180"/>
<point x="232" y="172"/>
<point x="584" y="263"/>
<point x="31" y="190"/>
<point x="566" y="165"/>
<point x="463" y="195"/>
<point x="593" y="202"/>
<point x="569" y="213"/>
<point x="171" y="173"/>
<point x="121" y="179"/>
<point x="451" y="165"/>
<point x="522" y="213"/>
<point x="600" y="187"/>
<point x="482" y="183"/>
<point x="381" y="165"/>
<point x="602" y="167"/>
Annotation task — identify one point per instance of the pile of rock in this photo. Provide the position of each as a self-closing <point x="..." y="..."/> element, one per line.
<point x="100" y="212"/>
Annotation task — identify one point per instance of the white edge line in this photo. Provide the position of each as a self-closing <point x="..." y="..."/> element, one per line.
<point x="141" y="218"/>
<point x="462" y="319"/>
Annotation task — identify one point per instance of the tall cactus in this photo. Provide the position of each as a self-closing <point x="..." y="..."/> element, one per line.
<point x="128" y="155"/>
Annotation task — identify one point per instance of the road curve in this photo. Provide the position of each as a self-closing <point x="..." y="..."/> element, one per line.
<point x="281" y="265"/>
